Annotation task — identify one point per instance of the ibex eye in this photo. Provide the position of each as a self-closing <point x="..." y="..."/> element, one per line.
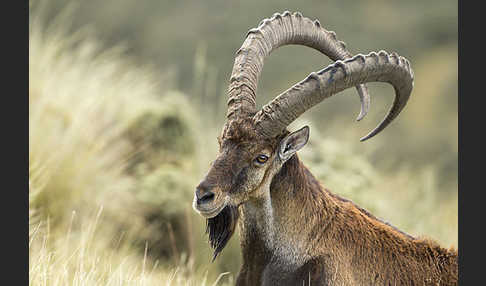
<point x="261" y="159"/>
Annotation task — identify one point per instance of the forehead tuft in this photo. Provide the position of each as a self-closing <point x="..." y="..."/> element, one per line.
<point x="242" y="131"/>
<point x="239" y="131"/>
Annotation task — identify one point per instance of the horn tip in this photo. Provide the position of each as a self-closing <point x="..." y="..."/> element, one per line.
<point x="370" y="135"/>
<point x="364" y="139"/>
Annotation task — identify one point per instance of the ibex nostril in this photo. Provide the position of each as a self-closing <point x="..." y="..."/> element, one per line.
<point x="204" y="196"/>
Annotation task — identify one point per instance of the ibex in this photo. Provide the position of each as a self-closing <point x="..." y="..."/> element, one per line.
<point x="292" y="230"/>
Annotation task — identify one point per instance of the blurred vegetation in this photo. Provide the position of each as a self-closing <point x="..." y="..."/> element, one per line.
<point x="126" y="99"/>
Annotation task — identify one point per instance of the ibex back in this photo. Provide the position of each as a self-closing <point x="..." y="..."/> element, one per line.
<point x="293" y="231"/>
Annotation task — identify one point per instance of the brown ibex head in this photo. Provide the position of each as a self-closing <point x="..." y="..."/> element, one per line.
<point x="254" y="144"/>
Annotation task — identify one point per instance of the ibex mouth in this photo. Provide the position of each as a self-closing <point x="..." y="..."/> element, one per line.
<point x="209" y="211"/>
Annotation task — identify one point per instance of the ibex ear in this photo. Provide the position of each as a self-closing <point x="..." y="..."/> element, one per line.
<point x="293" y="143"/>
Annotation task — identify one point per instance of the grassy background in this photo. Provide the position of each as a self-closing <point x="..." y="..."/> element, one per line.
<point x="126" y="99"/>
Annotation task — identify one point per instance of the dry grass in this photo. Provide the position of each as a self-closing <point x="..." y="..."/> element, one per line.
<point x="110" y="181"/>
<point x="82" y="100"/>
<point x="92" y="256"/>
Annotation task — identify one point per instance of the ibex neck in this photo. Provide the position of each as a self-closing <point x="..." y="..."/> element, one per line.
<point x="284" y="221"/>
<point x="299" y="223"/>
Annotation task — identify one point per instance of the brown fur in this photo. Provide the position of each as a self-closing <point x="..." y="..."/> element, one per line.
<point x="295" y="232"/>
<point x="347" y="245"/>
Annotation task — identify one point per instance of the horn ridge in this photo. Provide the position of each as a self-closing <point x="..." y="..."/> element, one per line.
<point x="279" y="30"/>
<point x="274" y="117"/>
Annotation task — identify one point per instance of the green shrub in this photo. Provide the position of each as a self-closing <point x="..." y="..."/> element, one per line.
<point x="163" y="134"/>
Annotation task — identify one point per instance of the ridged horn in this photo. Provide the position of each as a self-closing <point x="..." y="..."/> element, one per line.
<point x="274" y="117"/>
<point x="281" y="29"/>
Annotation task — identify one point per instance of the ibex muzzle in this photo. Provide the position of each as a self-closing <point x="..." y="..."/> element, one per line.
<point x="204" y="195"/>
<point x="293" y="231"/>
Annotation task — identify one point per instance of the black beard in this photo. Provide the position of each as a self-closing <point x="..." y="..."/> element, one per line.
<point x="220" y="228"/>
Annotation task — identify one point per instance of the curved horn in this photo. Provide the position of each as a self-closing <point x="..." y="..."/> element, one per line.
<point x="274" y="117"/>
<point x="281" y="29"/>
